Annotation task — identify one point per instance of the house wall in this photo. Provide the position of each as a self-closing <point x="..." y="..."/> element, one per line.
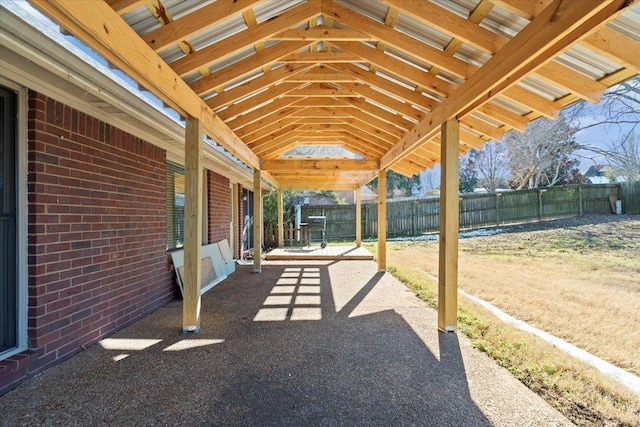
<point x="96" y="234"/>
<point x="219" y="209"/>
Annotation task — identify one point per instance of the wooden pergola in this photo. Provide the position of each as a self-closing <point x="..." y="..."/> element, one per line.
<point x="400" y="84"/>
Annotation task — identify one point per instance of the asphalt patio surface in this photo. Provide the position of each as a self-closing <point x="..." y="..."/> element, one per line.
<point x="313" y="343"/>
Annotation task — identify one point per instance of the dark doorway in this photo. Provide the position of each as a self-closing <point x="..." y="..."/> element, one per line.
<point x="247" y="227"/>
<point x="8" y="244"/>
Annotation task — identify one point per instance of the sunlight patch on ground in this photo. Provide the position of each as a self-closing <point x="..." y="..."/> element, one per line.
<point x="189" y="344"/>
<point x="296" y="296"/>
<point x="127" y="344"/>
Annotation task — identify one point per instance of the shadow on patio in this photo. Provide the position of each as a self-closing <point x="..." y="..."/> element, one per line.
<point x="326" y="343"/>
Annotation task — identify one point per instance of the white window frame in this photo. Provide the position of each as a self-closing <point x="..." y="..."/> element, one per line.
<point x="22" y="270"/>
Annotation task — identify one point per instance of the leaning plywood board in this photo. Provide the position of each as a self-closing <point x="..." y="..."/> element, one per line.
<point x="227" y="257"/>
<point x="214" y="267"/>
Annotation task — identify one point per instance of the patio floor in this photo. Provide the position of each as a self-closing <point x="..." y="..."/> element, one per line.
<point x="315" y="252"/>
<point x="313" y="343"/>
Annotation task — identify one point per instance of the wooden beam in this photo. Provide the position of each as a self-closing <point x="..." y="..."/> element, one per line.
<point x="321" y="90"/>
<point x="398" y="40"/>
<point x="192" y="225"/>
<point x="228" y="47"/>
<point x="250" y="102"/>
<point x="322" y="33"/>
<point x="321" y="57"/>
<point x="291" y="164"/>
<point x="257" y="221"/>
<point x="236" y="71"/>
<point x="560" y="25"/>
<point x="99" y="27"/>
<point x="490" y="42"/>
<point x="449" y="23"/>
<point x="382" y="219"/>
<point x="254" y="85"/>
<point x="386" y="85"/>
<point x="195" y="22"/>
<point x="399" y="68"/>
<point x="125" y="6"/>
<point x="615" y="46"/>
<point x="449" y="225"/>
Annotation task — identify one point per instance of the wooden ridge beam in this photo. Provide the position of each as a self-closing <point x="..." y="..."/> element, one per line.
<point x="321" y="57"/>
<point x="319" y="165"/>
<point x="323" y="33"/>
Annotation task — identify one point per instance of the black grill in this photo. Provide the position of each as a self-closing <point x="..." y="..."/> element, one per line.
<point x="318" y="223"/>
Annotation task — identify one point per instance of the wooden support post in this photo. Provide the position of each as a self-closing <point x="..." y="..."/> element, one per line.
<point x="257" y="221"/>
<point x="449" y="224"/>
<point x="280" y="218"/>
<point x="358" y="217"/>
<point x="382" y="219"/>
<point x="498" y="198"/>
<point x="192" y="226"/>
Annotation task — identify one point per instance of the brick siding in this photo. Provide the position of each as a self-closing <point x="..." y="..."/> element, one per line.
<point x="219" y="209"/>
<point x="96" y="234"/>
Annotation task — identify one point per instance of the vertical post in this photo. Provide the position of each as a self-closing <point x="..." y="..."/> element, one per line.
<point x="382" y="219"/>
<point x="579" y="200"/>
<point x="540" y="192"/>
<point x="498" y="198"/>
<point x="358" y="217"/>
<point x="257" y="221"/>
<point x="449" y="225"/>
<point x="280" y="218"/>
<point x="192" y="226"/>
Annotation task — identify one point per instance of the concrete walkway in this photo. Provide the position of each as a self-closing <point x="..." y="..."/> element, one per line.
<point x="313" y="344"/>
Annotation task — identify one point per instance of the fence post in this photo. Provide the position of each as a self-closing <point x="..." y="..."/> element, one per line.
<point x="540" y="192"/>
<point x="413" y="217"/>
<point x="498" y="198"/>
<point x="579" y="199"/>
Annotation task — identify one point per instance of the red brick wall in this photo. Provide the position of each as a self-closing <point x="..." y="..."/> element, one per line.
<point x="219" y="209"/>
<point x="97" y="234"/>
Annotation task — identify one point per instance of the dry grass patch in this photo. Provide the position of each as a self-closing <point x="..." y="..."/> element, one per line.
<point x="580" y="282"/>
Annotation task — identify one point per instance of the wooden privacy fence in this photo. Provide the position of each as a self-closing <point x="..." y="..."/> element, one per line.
<point x="415" y="217"/>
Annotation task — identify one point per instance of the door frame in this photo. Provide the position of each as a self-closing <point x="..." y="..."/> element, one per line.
<point x="21" y="216"/>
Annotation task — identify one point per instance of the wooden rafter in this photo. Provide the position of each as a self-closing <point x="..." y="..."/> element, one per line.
<point x="326" y="72"/>
<point x="556" y="28"/>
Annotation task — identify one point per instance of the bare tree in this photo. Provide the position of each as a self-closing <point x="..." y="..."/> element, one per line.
<point x="624" y="157"/>
<point x="619" y="107"/>
<point x="542" y="155"/>
<point x="429" y="180"/>
<point x="619" y="111"/>
<point x="492" y="162"/>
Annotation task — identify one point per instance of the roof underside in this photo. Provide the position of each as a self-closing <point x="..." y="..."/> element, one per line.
<point x="376" y="78"/>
